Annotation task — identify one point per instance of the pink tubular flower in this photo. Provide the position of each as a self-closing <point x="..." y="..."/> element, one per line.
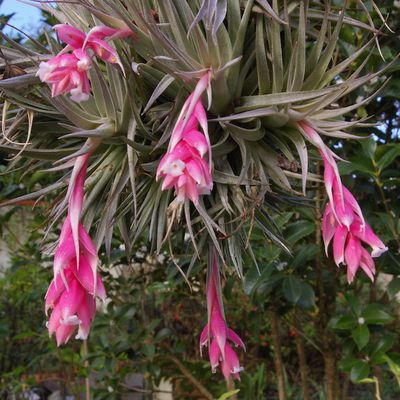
<point x="76" y="282"/>
<point x="216" y="333"/>
<point x="68" y="72"/>
<point x="183" y="166"/>
<point x="343" y="220"/>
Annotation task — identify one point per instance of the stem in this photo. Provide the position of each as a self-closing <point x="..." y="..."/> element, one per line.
<point x="230" y="385"/>
<point x="330" y="375"/>
<point x="302" y="360"/>
<point x="202" y="389"/>
<point x="326" y="338"/>
<point x="377" y="389"/>
<point x="86" y="364"/>
<point x="279" y="367"/>
<point x="345" y="387"/>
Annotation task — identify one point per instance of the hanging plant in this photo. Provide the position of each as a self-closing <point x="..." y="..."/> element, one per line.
<point x="171" y="117"/>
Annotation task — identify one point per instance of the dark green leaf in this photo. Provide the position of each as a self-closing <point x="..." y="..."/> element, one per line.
<point x="361" y="336"/>
<point x="292" y="289"/>
<point x="346" y="322"/>
<point x="359" y="371"/>
<point x="375" y="314"/>
<point x="394" y="287"/>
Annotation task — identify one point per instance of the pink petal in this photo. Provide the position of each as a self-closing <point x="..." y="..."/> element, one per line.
<point x="165" y="160"/>
<point x="235" y="338"/>
<point x="101" y="32"/>
<point x="184" y="152"/>
<point x="195" y="171"/>
<point x="86" y="314"/>
<point x="206" y="185"/>
<point x="232" y="360"/>
<point x="54" y="321"/>
<point x="63" y="255"/>
<point x="84" y="61"/>
<point x="63" y="333"/>
<point x="85" y="275"/>
<point x="63" y="86"/>
<point x="214" y="287"/>
<point x="367" y="235"/>
<point x="71" y="300"/>
<point x="100" y="289"/>
<point x="201" y="116"/>
<point x="367" y="264"/>
<point x="181" y="182"/>
<point x="168" y="182"/>
<point x="218" y="329"/>
<point x="70" y="35"/>
<point x="104" y="51"/>
<point x="65" y="230"/>
<point x="56" y="288"/>
<point x="88" y="249"/>
<point x="180" y="193"/>
<point x="75" y="197"/>
<point x="344" y="212"/>
<point x="197" y="140"/>
<point x="191" y="190"/>
<point x="215" y="354"/>
<point x="329" y="177"/>
<point x="226" y="370"/>
<point x="328" y="226"/>
<point x="204" y="337"/>
<point x="352" y="256"/>
<point x="350" y="199"/>
<point x="339" y="240"/>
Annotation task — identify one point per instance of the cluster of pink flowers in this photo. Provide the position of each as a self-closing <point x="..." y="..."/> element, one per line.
<point x="216" y="333"/>
<point x="76" y="283"/>
<point x="183" y="166"/>
<point x="186" y="167"/>
<point x="343" y="220"/>
<point x="67" y="72"/>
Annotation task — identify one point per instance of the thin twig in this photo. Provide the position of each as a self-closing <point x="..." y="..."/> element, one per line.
<point x="202" y="389"/>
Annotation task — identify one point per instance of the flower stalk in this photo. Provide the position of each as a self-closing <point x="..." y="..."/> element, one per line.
<point x="216" y="334"/>
<point x="343" y="222"/>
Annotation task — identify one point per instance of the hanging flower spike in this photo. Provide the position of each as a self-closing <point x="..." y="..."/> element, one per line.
<point x="71" y="295"/>
<point x="183" y="166"/>
<point x="343" y="220"/>
<point x="216" y="333"/>
<point x="76" y="282"/>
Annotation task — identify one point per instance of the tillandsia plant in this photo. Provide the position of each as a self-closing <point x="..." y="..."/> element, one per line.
<point x="166" y="108"/>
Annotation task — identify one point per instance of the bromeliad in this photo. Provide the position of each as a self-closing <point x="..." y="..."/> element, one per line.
<point x="216" y="333"/>
<point x="343" y="220"/>
<point x="72" y="293"/>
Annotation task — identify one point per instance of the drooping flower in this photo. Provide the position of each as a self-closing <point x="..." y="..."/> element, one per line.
<point x="216" y="333"/>
<point x="67" y="72"/>
<point x="72" y="293"/>
<point x="183" y="166"/>
<point x="343" y="220"/>
<point x="76" y="283"/>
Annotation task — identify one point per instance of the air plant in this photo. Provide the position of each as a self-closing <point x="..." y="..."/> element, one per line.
<point x="137" y="84"/>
